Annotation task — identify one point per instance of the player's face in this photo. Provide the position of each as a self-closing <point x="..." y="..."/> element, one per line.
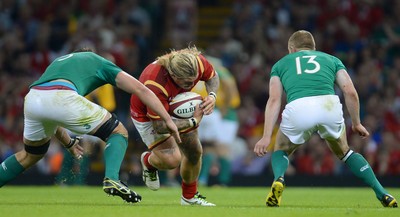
<point x="184" y="83"/>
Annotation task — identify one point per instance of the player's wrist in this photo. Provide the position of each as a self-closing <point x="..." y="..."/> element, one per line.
<point x="193" y="122"/>
<point x="213" y="94"/>
<point x="72" y="142"/>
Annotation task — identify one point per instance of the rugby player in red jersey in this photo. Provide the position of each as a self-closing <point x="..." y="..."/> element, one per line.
<point x="171" y="74"/>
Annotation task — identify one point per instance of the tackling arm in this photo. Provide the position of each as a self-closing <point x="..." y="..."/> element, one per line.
<point x="131" y="85"/>
<point x="184" y="125"/>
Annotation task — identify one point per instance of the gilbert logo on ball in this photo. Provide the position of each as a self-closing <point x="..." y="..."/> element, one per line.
<point x="184" y="104"/>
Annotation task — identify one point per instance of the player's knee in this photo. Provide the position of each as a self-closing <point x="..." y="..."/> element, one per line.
<point x="120" y="129"/>
<point x="109" y="127"/>
<point x="170" y="158"/>
<point x="193" y="155"/>
<point x="32" y="154"/>
<point x="37" y="150"/>
<point x="172" y="163"/>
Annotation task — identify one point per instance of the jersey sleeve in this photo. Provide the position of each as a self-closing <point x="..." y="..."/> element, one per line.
<point x="205" y="68"/>
<point x="109" y="71"/>
<point x="339" y="64"/>
<point x="274" y="70"/>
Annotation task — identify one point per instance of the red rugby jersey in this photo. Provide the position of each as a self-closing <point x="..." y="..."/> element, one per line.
<point x="157" y="79"/>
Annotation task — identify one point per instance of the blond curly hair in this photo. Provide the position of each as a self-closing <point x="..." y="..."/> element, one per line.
<point x="182" y="63"/>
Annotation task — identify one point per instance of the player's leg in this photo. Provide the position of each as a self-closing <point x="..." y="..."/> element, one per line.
<point x="115" y="136"/>
<point x="190" y="169"/>
<point x="279" y="158"/>
<point x="360" y="168"/>
<point x="36" y="136"/>
<point x="280" y="163"/>
<point x="295" y="128"/>
<point x="14" y="165"/>
<point x="165" y="156"/>
<point x="163" y="153"/>
<point x="86" y="117"/>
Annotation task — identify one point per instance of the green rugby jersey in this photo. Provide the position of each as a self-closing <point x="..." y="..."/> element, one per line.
<point x="86" y="70"/>
<point x="307" y="73"/>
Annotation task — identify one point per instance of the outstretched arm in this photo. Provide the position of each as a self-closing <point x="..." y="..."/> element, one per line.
<point x="184" y="125"/>
<point x="131" y="85"/>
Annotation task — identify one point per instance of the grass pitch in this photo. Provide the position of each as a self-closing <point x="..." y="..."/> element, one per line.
<point x="55" y="201"/>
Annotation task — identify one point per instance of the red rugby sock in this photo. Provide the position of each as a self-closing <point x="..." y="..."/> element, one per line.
<point x="147" y="163"/>
<point x="189" y="190"/>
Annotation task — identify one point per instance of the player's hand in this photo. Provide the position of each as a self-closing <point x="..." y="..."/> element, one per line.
<point x="360" y="129"/>
<point x="261" y="147"/>
<point x="173" y="130"/>
<point x="198" y="113"/>
<point x="208" y="105"/>
<point x="75" y="148"/>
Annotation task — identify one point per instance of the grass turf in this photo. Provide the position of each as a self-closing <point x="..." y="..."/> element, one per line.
<point x="231" y="202"/>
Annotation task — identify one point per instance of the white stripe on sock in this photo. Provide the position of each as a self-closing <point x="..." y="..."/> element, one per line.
<point x="350" y="152"/>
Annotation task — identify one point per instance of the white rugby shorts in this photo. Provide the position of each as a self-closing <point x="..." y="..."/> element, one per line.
<point x="322" y="114"/>
<point x="45" y="110"/>
<point x="148" y="134"/>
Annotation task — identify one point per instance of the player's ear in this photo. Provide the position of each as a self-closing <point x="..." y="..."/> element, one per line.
<point x="292" y="49"/>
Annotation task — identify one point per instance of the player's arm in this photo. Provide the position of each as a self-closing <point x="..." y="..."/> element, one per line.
<point x="345" y="84"/>
<point x="212" y="86"/>
<point x="71" y="144"/>
<point x="131" y="85"/>
<point x="184" y="125"/>
<point x="271" y="115"/>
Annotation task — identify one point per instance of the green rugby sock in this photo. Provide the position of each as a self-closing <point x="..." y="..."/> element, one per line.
<point x="114" y="153"/>
<point x="280" y="163"/>
<point x="361" y="168"/>
<point x="9" y="169"/>
<point x="224" y="176"/>
<point x="207" y="161"/>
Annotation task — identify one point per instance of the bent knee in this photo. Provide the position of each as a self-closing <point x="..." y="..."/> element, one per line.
<point x="110" y="126"/>
<point x="120" y="129"/>
<point x="169" y="161"/>
<point x="172" y="163"/>
<point x="193" y="157"/>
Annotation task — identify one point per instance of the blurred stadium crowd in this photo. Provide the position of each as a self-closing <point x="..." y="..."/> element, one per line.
<point x="364" y="34"/>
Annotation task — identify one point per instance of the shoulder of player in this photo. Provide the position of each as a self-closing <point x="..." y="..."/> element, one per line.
<point x="156" y="78"/>
<point x="206" y="69"/>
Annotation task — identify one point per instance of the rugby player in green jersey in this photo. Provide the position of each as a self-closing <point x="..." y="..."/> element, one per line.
<point x="56" y="102"/>
<point x="308" y="78"/>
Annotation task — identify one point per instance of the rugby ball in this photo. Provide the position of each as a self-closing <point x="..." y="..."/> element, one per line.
<point x="184" y="104"/>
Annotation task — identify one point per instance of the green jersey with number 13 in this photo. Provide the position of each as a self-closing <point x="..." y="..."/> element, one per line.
<point x="307" y="73"/>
